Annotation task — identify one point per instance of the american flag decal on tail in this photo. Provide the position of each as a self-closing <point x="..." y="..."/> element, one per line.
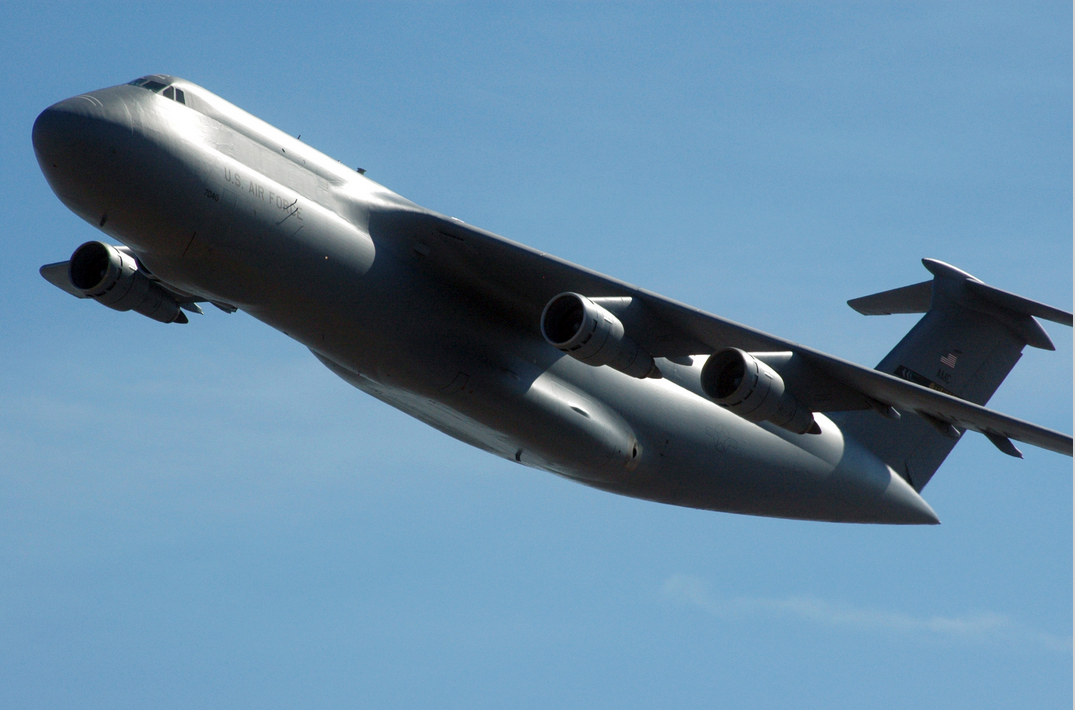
<point x="949" y="359"/>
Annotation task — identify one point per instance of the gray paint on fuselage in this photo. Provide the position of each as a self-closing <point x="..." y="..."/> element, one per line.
<point x="345" y="276"/>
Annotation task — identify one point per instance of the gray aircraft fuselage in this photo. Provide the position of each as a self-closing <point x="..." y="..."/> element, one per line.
<point x="219" y="205"/>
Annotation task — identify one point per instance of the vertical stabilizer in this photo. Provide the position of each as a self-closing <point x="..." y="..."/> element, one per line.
<point x="969" y="339"/>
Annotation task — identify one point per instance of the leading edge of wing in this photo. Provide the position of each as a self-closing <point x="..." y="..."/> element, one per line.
<point x="524" y="279"/>
<point x="521" y="280"/>
<point x="939" y="406"/>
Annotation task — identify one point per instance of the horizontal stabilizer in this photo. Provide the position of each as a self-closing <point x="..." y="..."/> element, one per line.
<point x="1015" y="312"/>
<point x="909" y="299"/>
<point x="1009" y="302"/>
<point x="1018" y="304"/>
<point x="917" y="297"/>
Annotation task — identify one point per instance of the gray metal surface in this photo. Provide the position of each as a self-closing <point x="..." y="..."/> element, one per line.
<point x="443" y="320"/>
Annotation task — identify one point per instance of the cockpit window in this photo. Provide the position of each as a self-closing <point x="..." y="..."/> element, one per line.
<point x="175" y="94"/>
<point x="170" y="92"/>
<point x="147" y="83"/>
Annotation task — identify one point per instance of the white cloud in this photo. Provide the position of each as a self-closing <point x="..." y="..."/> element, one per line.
<point x="980" y="627"/>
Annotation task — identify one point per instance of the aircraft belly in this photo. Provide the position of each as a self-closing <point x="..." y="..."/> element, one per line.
<point x="649" y="439"/>
<point x="512" y="394"/>
<point x="697" y="454"/>
<point x="539" y="421"/>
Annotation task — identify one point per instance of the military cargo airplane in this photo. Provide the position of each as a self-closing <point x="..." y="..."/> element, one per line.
<point x="514" y="351"/>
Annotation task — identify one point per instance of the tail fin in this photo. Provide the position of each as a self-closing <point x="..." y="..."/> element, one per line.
<point x="970" y="338"/>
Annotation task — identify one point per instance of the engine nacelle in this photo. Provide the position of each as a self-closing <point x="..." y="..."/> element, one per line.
<point x="748" y="387"/>
<point x="111" y="277"/>
<point x="591" y="334"/>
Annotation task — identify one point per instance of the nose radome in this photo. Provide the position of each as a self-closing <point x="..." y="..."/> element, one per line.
<point x="62" y="127"/>
<point x="77" y="143"/>
<point x="61" y="138"/>
<point x="50" y="135"/>
<point x="68" y="130"/>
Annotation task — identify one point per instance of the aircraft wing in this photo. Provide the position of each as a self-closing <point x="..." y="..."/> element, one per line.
<point x="518" y="281"/>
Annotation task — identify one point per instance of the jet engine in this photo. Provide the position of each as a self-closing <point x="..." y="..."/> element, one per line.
<point x="112" y="277"/>
<point x="591" y="334"/>
<point x="748" y="387"/>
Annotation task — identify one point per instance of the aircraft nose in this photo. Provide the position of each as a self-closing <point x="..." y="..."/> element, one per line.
<point x="50" y="136"/>
<point x="75" y="142"/>
<point x="63" y="131"/>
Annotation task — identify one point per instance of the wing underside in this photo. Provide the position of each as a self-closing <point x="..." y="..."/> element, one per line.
<point x="519" y="281"/>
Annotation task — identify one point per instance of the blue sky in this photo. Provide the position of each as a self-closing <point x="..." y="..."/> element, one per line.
<point x="204" y="516"/>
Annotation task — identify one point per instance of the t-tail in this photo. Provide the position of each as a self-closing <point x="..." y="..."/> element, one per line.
<point x="969" y="339"/>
